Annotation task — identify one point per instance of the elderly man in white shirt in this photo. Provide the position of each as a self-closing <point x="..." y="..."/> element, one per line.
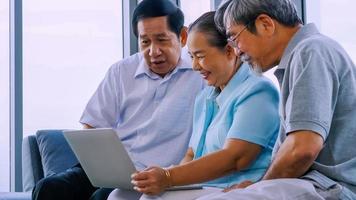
<point x="148" y="98"/>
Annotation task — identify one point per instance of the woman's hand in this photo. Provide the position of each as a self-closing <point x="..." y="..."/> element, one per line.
<point x="151" y="181"/>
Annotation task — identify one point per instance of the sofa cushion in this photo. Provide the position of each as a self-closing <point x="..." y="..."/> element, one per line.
<point x="56" y="155"/>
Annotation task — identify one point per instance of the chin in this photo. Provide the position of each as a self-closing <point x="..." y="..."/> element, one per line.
<point x="266" y="67"/>
<point x="209" y="83"/>
<point x="161" y="70"/>
<point x="257" y="69"/>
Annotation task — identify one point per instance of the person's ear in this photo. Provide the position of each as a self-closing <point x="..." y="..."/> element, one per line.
<point x="230" y="52"/>
<point x="265" y="25"/>
<point x="231" y="55"/>
<point x="183" y="36"/>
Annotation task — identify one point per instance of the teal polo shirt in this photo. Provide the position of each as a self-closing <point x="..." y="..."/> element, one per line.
<point x="246" y="109"/>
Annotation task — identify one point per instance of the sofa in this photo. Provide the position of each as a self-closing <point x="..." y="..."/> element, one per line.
<point x="43" y="154"/>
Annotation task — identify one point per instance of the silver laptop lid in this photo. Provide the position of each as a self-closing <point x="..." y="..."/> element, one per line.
<point x="102" y="156"/>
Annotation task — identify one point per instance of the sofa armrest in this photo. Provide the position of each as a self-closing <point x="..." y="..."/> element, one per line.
<point x="15" y="195"/>
<point x="32" y="170"/>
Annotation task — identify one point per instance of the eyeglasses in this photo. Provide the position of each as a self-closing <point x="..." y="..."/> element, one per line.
<point x="232" y="39"/>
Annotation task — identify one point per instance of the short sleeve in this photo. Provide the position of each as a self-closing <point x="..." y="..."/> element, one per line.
<point x="103" y="107"/>
<point x="256" y="117"/>
<point x="313" y="92"/>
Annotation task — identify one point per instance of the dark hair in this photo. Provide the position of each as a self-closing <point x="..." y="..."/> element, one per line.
<point x="206" y="25"/>
<point x="158" y="8"/>
<point x="246" y="11"/>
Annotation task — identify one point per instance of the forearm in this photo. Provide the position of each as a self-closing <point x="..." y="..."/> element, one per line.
<point x="287" y="166"/>
<point x="206" y="168"/>
<point x="235" y="155"/>
<point x="295" y="156"/>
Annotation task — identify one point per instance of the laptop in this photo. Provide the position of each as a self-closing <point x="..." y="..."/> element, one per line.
<point x="102" y="156"/>
<point x="105" y="159"/>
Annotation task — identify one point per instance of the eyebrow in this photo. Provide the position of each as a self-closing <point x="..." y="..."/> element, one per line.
<point x="161" y="35"/>
<point x="155" y="35"/>
<point x="142" y="36"/>
<point x="196" y="52"/>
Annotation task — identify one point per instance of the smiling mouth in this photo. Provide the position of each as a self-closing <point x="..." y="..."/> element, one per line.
<point x="205" y="75"/>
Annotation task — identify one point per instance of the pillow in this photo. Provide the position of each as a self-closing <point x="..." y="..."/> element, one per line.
<point x="56" y="154"/>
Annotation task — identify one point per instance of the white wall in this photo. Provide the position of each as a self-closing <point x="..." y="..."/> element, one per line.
<point x="67" y="48"/>
<point x="335" y="19"/>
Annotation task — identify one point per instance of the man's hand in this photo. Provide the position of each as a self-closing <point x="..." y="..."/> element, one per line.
<point x="87" y="126"/>
<point x="151" y="181"/>
<point x="241" y="185"/>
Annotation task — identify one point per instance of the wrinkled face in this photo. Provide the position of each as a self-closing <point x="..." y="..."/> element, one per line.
<point x="160" y="46"/>
<point x="255" y="48"/>
<point x="216" y="66"/>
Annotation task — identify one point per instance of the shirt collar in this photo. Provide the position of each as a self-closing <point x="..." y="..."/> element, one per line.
<point x="301" y="34"/>
<point x="143" y="68"/>
<point x="239" y="77"/>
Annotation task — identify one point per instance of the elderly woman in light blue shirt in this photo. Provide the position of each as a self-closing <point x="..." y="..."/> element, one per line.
<point x="234" y="127"/>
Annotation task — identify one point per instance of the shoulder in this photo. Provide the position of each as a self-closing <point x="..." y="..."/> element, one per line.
<point x="318" y="46"/>
<point x="319" y="55"/>
<point x="127" y="65"/>
<point x="134" y="59"/>
<point x="316" y="42"/>
<point x="255" y="84"/>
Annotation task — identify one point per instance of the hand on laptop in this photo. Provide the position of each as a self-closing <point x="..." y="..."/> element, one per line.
<point x="151" y="181"/>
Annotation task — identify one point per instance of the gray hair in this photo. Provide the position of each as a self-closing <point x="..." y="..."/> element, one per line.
<point x="219" y="15"/>
<point x="246" y="12"/>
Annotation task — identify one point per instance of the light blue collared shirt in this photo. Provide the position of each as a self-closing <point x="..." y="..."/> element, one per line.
<point x="152" y="115"/>
<point x="246" y="109"/>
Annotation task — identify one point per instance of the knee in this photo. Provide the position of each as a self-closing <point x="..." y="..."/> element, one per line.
<point x="49" y="187"/>
<point x="101" y="194"/>
<point x="48" y="184"/>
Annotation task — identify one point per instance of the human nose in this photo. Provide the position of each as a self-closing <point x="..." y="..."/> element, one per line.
<point x="195" y="64"/>
<point x="155" y="50"/>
